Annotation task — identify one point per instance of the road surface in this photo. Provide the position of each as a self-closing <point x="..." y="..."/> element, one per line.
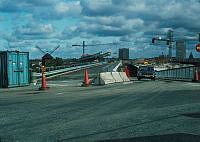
<point x="119" y="111"/>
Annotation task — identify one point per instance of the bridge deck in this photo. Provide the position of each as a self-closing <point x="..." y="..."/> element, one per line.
<point x="71" y="113"/>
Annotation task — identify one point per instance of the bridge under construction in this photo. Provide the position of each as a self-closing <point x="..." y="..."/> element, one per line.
<point x="134" y="110"/>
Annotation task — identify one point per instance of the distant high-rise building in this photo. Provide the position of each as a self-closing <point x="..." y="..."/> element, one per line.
<point x="180" y="49"/>
<point x="124" y="53"/>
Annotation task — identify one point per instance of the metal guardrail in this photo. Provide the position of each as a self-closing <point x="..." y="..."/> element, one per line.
<point x="38" y="70"/>
<point x="184" y="73"/>
<point x="61" y="70"/>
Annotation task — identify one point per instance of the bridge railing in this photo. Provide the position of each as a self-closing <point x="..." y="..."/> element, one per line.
<point x="53" y="68"/>
<point x="184" y="73"/>
<point x="64" y="70"/>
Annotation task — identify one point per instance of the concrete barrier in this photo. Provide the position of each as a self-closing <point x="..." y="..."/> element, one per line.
<point x="104" y="78"/>
<point x="124" y="76"/>
<point x="117" y="77"/>
<point x="110" y="77"/>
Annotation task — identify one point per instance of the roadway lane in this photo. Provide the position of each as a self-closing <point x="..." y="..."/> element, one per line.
<point x="75" y="114"/>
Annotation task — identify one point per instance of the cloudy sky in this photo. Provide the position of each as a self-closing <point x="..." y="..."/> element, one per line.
<point x="126" y="23"/>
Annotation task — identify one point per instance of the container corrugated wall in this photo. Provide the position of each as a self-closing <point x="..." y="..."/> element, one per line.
<point x="14" y="69"/>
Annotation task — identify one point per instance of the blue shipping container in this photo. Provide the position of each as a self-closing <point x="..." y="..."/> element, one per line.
<point x="14" y="69"/>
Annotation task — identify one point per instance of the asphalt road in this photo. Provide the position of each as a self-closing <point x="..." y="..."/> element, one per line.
<point x="163" y="110"/>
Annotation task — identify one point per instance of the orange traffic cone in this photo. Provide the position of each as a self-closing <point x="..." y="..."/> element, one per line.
<point x="44" y="83"/>
<point x="196" y="76"/>
<point x="86" y="82"/>
<point x="127" y="72"/>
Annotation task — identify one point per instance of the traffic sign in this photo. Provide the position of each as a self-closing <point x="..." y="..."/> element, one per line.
<point x="198" y="47"/>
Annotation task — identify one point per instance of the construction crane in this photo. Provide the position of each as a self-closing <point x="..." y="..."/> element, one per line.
<point x="84" y="45"/>
<point x="93" y="57"/>
<point x="169" y="41"/>
<point x="47" y="54"/>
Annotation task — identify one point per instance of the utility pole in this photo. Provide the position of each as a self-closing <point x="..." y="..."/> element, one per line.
<point x="169" y="41"/>
<point x="83" y="47"/>
<point x="199" y="37"/>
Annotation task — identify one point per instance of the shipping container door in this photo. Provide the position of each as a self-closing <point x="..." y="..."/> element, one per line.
<point x="3" y="70"/>
<point x="13" y="75"/>
<point x="23" y="69"/>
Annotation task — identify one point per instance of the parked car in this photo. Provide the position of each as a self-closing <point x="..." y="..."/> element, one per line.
<point x="146" y="72"/>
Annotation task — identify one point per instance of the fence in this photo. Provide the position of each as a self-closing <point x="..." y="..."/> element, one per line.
<point x="184" y="73"/>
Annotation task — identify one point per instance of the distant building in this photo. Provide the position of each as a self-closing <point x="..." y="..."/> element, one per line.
<point x="191" y="57"/>
<point x="123" y="53"/>
<point x="180" y="50"/>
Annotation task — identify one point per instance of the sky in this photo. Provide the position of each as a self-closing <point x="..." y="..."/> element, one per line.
<point x="125" y="23"/>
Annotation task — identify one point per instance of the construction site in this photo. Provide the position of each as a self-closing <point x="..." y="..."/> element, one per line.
<point x="94" y="98"/>
<point x="99" y="71"/>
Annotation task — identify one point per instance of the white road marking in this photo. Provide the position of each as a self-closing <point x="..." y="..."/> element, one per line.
<point x="127" y="82"/>
<point x="65" y="81"/>
<point x="60" y="93"/>
<point x="64" y="84"/>
<point x="58" y="85"/>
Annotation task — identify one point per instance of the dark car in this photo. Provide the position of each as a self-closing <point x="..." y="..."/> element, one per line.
<point x="146" y="72"/>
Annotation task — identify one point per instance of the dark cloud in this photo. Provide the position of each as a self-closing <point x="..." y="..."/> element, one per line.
<point x="42" y="9"/>
<point x="58" y="11"/>
<point x="27" y="35"/>
<point x="113" y="17"/>
<point x="117" y="17"/>
<point x="127" y="20"/>
<point x="98" y="8"/>
<point x="33" y="30"/>
<point x="23" y="5"/>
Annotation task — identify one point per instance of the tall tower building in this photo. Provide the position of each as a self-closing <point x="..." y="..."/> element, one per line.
<point x="124" y="53"/>
<point x="180" y="49"/>
<point x="169" y="42"/>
